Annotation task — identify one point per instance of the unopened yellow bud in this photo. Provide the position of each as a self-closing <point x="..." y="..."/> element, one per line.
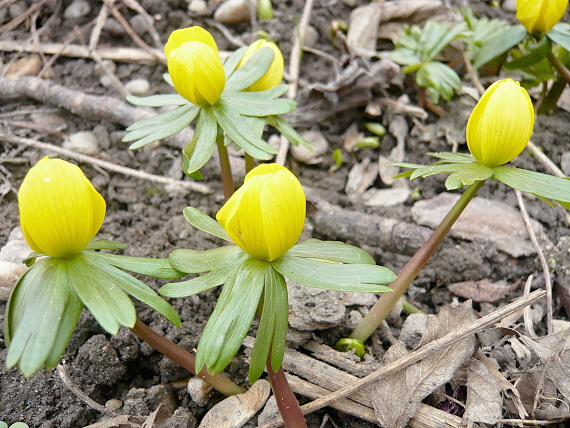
<point x="265" y="216"/>
<point x="60" y="210"/>
<point x="274" y="75"/>
<point x="501" y="123"/>
<point x="195" y="66"/>
<point x="539" y="16"/>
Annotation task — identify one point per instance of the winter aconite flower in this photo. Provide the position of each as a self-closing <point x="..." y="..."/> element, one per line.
<point x="539" y="16"/>
<point x="194" y="65"/>
<point x="274" y="75"/>
<point x="265" y="216"/>
<point x="60" y="213"/>
<point x="265" y="219"/>
<point x="501" y="124"/>
<point x="60" y="210"/>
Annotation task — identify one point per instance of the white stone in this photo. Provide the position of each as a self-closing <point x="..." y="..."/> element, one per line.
<point x="233" y="12"/>
<point x="77" y="9"/>
<point x="138" y="87"/>
<point x="82" y="142"/>
<point x="509" y="6"/>
<point x="10" y="273"/>
<point x="197" y="6"/>
<point x="319" y="144"/>
<point x="565" y="163"/>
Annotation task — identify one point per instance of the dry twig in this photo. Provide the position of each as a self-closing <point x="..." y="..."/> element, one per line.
<point x="294" y="69"/>
<point x="419" y="354"/>
<point x="543" y="263"/>
<point x="190" y="185"/>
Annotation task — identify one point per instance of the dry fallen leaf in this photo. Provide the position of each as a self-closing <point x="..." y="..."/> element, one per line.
<point x="363" y="29"/>
<point x="235" y="411"/>
<point x="484" y="399"/>
<point x="397" y="397"/>
<point x="481" y="291"/>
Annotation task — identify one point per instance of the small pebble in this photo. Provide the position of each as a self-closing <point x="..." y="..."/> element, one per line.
<point x="11" y="266"/>
<point x="311" y="37"/>
<point x="197" y="6"/>
<point x="113" y="27"/>
<point x="233" y="12"/>
<point x="107" y="63"/>
<point x="565" y="163"/>
<point x="77" y="9"/>
<point x="138" y="87"/>
<point x="113" y="404"/>
<point x="106" y="81"/>
<point x="82" y="142"/>
<point x="319" y="144"/>
<point x="139" y="24"/>
<point x="509" y="6"/>
<point x="199" y="390"/>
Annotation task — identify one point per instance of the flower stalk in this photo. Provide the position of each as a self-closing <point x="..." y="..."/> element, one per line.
<point x="411" y="270"/>
<point x="185" y="359"/>
<point x="287" y="403"/>
<point x="226" y="169"/>
<point x="559" y="67"/>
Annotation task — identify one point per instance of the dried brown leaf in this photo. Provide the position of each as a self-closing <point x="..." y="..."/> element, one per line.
<point x="484" y="399"/>
<point x="235" y="411"/>
<point x="397" y="397"/>
<point x="481" y="291"/>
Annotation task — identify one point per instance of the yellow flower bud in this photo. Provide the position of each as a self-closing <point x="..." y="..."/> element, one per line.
<point x="274" y="75"/>
<point x="194" y="65"/>
<point x="265" y="216"/>
<point x="501" y="123"/>
<point x="539" y="16"/>
<point x="60" y="210"/>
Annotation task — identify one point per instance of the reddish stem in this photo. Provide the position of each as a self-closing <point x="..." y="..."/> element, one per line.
<point x="184" y="358"/>
<point x="285" y="398"/>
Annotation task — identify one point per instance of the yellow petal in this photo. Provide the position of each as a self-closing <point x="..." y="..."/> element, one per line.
<point x="539" y="16"/>
<point x="265" y="216"/>
<point x="60" y="210"/>
<point x="197" y="73"/>
<point x="501" y="123"/>
<point x="274" y="75"/>
<point x="190" y="34"/>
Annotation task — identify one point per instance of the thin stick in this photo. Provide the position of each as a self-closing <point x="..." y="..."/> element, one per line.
<point x="543" y="263"/>
<point x="527" y="315"/>
<point x="133" y="4"/>
<point x="184" y="358"/>
<point x="63" y="49"/>
<point x="285" y="398"/>
<point x="197" y="187"/>
<point x="21" y="18"/>
<point x="294" y="70"/>
<point x="419" y="354"/>
<point x="410" y="271"/>
<point x="226" y="169"/>
<point x="140" y="42"/>
<point x="68" y="382"/>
